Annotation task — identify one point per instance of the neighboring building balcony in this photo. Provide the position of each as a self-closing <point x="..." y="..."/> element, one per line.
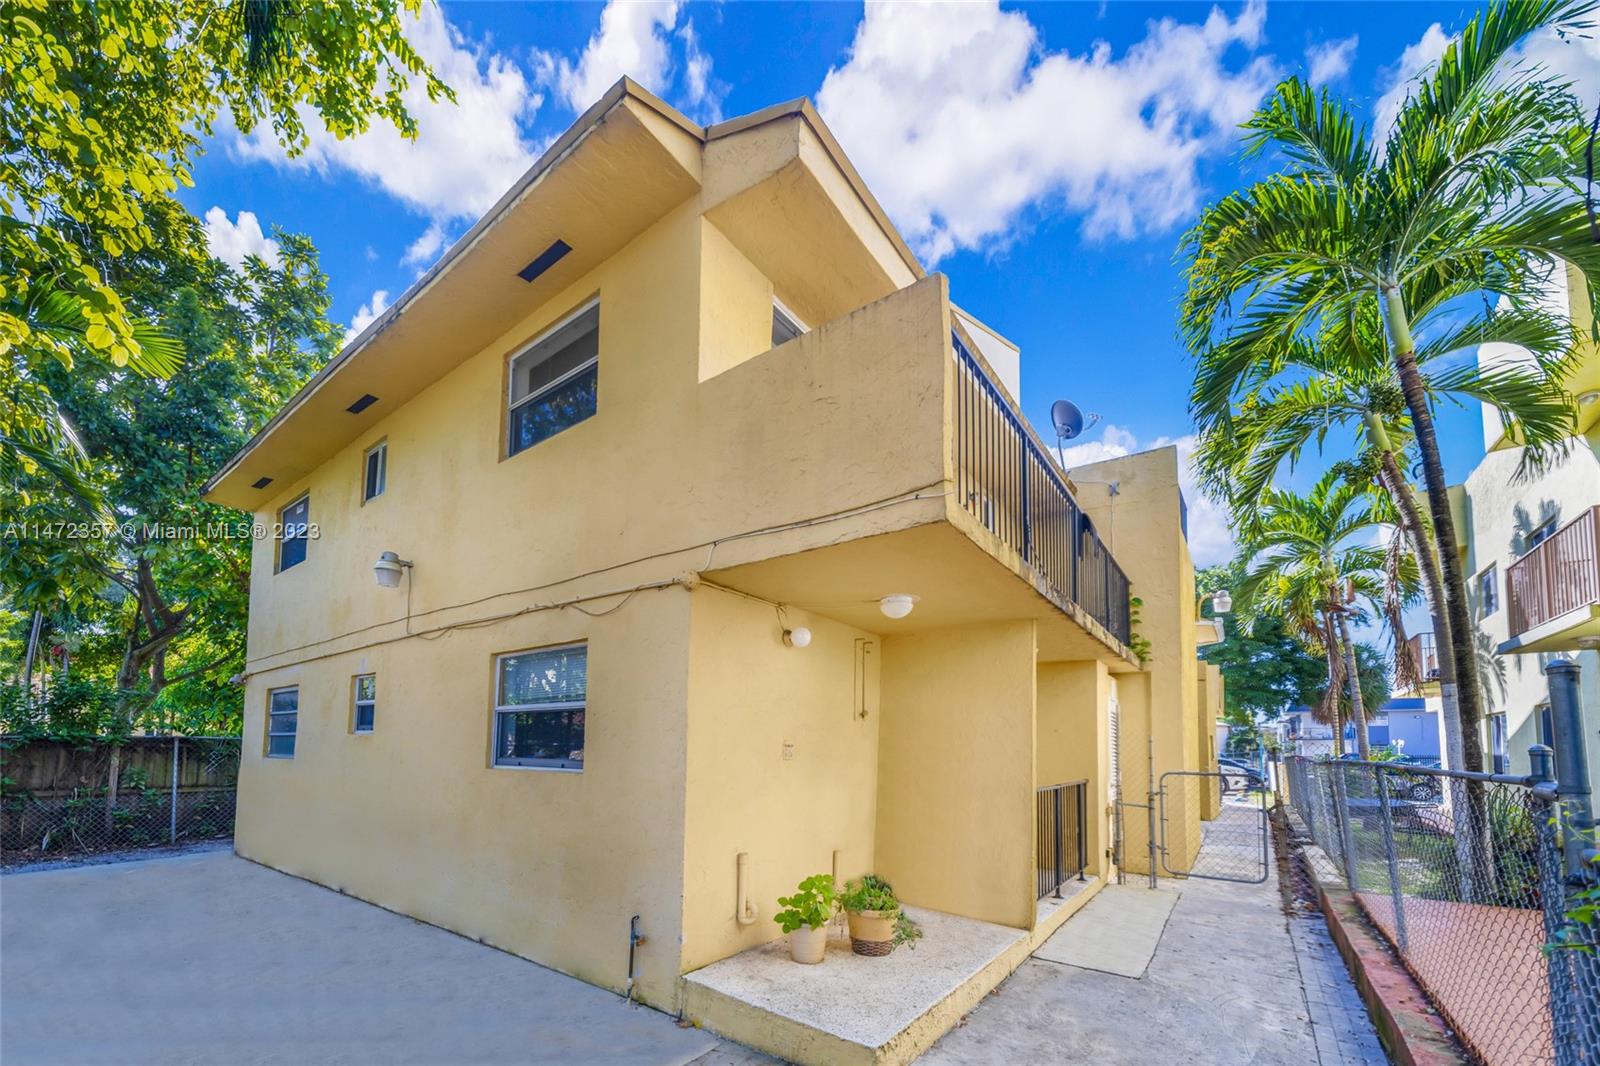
<point x="891" y="418"/>
<point x="1553" y="592"/>
<point x="1423" y="651"/>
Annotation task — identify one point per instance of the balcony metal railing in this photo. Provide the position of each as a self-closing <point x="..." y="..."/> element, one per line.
<point x="1425" y="655"/>
<point x="1060" y="829"/>
<point x="1005" y="481"/>
<point x="1560" y="575"/>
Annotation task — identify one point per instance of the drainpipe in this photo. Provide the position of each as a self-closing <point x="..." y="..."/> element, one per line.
<point x="1150" y="775"/>
<point x="745" y="911"/>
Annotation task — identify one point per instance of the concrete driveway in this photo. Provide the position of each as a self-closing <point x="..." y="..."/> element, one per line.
<point x="208" y="958"/>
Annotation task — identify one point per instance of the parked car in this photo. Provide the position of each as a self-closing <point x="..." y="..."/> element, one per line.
<point x="1238" y="776"/>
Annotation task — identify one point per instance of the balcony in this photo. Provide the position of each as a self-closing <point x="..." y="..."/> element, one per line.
<point x="892" y="427"/>
<point x="1005" y="480"/>
<point x="1553" y="592"/>
<point x="1424" y="655"/>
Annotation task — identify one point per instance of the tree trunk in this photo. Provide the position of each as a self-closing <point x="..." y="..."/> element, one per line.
<point x="32" y="654"/>
<point x="1461" y="697"/>
<point x="1330" y="641"/>
<point x="1352" y="678"/>
<point x="1423" y="548"/>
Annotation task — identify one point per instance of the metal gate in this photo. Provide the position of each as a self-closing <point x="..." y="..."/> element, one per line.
<point x="1213" y="827"/>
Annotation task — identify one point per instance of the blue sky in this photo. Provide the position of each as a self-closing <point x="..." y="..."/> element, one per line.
<point x="1046" y="157"/>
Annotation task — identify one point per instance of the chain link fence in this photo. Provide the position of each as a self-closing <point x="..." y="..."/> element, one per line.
<point x="61" y="799"/>
<point x="1468" y="877"/>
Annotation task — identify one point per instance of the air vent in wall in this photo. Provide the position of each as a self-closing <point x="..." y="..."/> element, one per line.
<point x="261" y="482"/>
<point x="362" y="404"/>
<point x="546" y="259"/>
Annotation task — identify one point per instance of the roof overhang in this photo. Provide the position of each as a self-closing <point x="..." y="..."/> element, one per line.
<point x="1578" y="629"/>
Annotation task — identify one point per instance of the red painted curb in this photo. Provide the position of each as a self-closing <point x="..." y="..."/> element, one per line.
<point x="1412" y="1032"/>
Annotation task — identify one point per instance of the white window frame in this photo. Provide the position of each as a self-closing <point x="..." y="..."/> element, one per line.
<point x="356" y="703"/>
<point x="783" y="309"/>
<point x="546" y="766"/>
<point x="1548" y="527"/>
<point x="295" y="733"/>
<point x="511" y="376"/>
<point x="283" y="527"/>
<point x="1488" y="605"/>
<point x="381" y="450"/>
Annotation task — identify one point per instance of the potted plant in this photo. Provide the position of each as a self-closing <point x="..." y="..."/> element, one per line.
<point x="877" y="924"/>
<point x="805" y="917"/>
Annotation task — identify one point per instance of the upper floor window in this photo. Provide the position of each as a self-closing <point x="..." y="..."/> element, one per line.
<point x="1488" y="593"/>
<point x="283" y="721"/>
<point x="541" y="698"/>
<point x="375" y="471"/>
<point x="554" y="380"/>
<point x="294" y="525"/>
<point x="1542" y="533"/>
<point x="786" y="325"/>
<point x="364" y="703"/>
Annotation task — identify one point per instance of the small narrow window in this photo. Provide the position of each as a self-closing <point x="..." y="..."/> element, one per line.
<point x="375" y="471"/>
<point x="294" y="526"/>
<point x="1544" y="532"/>
<point x="1488" y="592"/>
<point x="364" y="712"/>
<point x="555" y="381"/>
<point x="786" y="325"/>
<point x="283" y="719"/>
<point x="541" y="698"/>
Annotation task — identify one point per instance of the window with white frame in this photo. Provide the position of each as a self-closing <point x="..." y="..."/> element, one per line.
<point x="375" y="471"/>
<point x="540" y="701"/>
<point x="283" y="720"/>
<point x="555" y="380"/>
<point x="364" y="703"/>
<point x="1541" y="533"/>
<point x="294" y="529"/>
<point x="786" y="325"/>
<point x="1488" y="592"/>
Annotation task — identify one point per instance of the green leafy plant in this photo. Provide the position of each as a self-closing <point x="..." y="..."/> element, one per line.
<point x="869" y="893"/>
<point x="906" y="931"/>
<point x="1138" y="643"/>
<point x="815" y="901"/>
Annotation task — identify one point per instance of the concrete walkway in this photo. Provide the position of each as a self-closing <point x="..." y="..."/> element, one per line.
<point x="211" y="959"/>
<point x="1228" y="983"/>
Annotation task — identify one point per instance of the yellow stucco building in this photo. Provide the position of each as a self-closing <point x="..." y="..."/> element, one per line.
<point x="653" y="451"/>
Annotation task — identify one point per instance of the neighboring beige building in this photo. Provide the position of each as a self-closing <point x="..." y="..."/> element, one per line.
<point x="1532" y="559"/>
<point x="656" y="448"/>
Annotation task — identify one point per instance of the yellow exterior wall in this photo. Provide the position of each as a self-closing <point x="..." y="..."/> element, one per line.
<point x="1073" y="743"/>
<point x="782" y="764"/>
<point x="955" y="771"/>
<point x="1208" y="705"/>
<point x="549" y="865"/>
<point x="1141" y="525"/>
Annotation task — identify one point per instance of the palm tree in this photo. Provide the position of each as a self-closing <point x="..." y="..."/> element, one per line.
<point x="1469" y="198"/>
<point x="1310" y="567"/>
<point x="1258" y="415"/>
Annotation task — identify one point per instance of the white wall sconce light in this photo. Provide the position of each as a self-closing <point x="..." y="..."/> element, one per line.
<point x="388" y="569"/>
<point x="897" y="604"/>
<point x="1221" y="602"/>
<point x="798" y="637"/>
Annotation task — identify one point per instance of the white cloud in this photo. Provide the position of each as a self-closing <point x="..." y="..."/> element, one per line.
<point x="231" y="242"/>
<point x="1417" y="58"/>
<point x="1210" y="533"/>
<point x="1328" y="61"/>
<point x="426" y="248"/>
<point x="702" y="93"/>
<point x="632" y="39"/>
<point x="367" y="314"/>
<point x="961" y="123"/>
<point x="465" y="155"/>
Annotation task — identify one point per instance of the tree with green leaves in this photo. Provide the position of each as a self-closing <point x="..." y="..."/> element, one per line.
<point x="1267" y="669"/>
<point x="1469" y="199"/>
<point x="1312" y="565"/>
<point x="103" y="108"/>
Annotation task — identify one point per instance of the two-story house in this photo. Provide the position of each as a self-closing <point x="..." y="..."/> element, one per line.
<point x="1532" y="556"/>
<point x="674" y="538"/>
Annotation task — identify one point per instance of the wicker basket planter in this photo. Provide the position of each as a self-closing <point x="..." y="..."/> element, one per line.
<point x="872" y="932"/>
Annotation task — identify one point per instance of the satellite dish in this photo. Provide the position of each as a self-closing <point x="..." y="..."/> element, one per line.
<point x="1070" y="422"/>
<point x="1067" y="418"/>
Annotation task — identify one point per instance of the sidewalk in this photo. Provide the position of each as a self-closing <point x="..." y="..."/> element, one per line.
<point x="1232" y="980"/>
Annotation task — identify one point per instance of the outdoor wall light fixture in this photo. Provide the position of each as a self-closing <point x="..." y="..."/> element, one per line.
<point x="388" y="569"/>
<point x="798" y="637"/>
<point x="1221" y="602"/>
<point x="897" y="604"/>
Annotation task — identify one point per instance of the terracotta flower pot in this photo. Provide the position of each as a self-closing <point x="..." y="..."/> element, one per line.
<point x="808" y="945"/>
<point x="872" y="932"/>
